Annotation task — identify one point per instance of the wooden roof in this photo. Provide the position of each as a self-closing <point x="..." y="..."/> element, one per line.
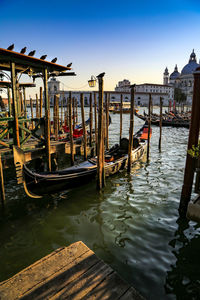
<point x="26" y="63"/>
<point x="5" y="84"/>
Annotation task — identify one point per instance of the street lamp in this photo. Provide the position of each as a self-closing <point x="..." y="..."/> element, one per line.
<point x="92" y="81"/>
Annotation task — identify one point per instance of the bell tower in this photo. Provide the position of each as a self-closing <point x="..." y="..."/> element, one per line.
<point x="166" y="77"/>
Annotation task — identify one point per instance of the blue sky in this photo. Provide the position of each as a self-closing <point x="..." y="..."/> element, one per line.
<point x="135" y="40"/>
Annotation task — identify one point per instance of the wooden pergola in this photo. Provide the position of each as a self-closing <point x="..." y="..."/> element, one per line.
<point x="19" y="64"/>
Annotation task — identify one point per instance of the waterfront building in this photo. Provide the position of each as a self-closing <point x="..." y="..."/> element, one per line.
<point x="185" y="79"/>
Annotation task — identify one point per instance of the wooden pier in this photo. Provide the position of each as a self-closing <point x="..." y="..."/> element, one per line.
<point x="73" y="272"/>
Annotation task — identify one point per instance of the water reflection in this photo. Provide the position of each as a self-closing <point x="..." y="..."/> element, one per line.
<point x="183" y="280"/>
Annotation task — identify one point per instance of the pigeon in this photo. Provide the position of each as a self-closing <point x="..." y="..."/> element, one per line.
<point x="43" y="57"/>
<point x="11" y="47"/>
<point x="23" y="50"/>
<point x="32" y="53"/>
<point x="69" y="65"/>
<point x="54" y="60"/>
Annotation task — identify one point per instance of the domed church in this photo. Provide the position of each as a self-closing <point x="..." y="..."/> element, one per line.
<point x="185" y="79"/>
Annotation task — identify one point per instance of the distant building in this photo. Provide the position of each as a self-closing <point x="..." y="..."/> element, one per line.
<point x="185" y="79"/>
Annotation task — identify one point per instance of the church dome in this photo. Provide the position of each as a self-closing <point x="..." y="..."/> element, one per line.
<point x="191" y="66"/>
<point x="175" y="74"/>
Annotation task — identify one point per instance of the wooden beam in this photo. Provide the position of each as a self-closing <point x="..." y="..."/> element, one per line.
<point x="47" y="119"/>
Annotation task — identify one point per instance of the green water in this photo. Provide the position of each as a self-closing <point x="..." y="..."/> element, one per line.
<point x="133" y="224"/>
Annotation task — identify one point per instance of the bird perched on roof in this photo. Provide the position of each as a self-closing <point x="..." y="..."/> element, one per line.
<point x="32" y="53"/>
<point x="23" y="50"/>
<point x="11" y="47"/>
<point x="69" y="65"/>
<point x="54" y="60"/>
<point x="43" y="57"/>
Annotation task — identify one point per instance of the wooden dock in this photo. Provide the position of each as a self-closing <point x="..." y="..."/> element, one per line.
<point x="73" y="272"/>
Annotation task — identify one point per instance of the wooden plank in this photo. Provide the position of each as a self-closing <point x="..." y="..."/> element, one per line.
<point x="131" y="293"/>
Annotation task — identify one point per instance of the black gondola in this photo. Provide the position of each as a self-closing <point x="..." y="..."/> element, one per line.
<point x="38" y="184"/>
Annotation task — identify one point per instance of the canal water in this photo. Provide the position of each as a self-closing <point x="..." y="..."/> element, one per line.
<point x="133" y="224"/>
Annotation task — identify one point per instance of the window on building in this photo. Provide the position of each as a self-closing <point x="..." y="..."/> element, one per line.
<point x="55" y="88"/>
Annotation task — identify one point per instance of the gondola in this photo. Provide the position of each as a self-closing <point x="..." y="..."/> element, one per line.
<point x="38" y="184"/>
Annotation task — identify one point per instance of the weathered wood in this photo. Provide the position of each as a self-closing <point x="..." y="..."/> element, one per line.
<point x="14" y="102"/>
<point x="47" y="119"/>
<point x="100" y="146"/>
<point x="41" y="101"/>
<point x="95" y="120"/>
<point x="61" y="117"/>
<point x="31" y="104"/>
<point x="76" y="110"/>
<point x="192" y="141"/>
<point x="9" y="102"/>
<point x="130" y="145"/>
<point x="72" y="272"/>
<point x="83" y="125"/>
<point x="71" y="129"/>
<point x="121" y="107"/>
<point x="107" y="119"/>
<point x="149" y="126"/>
<point x="91" y="119"/>
<point x="73" y="107"/>
<point x="56" y="116"/>
<point x="37" y="107"/>
<point x="2" y="189"/>
<point x="160" y="138"/>
<point x="25" y="105"/>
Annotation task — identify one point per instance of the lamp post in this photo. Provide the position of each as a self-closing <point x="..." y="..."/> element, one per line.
<point x="100" y="145"/>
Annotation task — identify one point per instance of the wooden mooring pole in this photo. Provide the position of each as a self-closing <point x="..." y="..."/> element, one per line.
<point x="25" y="105"/>
<point x="2" y="189"/>
<point x="73" y="105"/>
<point x="37" y="107"/>
<point x="91" y="119"/>
<point x="149" y="126"/>
<point x="83" y="125"/>
<point x="56" y="116"/>
<point x="71" y="129"/>
<point x="47" y="119"/>
<point x="95" y="120"/>
<point x="121" y="107"/>
<point x="100" y="146"/>
<point x="192" y="141"/>
<point x="107" y="119"/>
<point x="160" y="138"/>
<point x="130" y="146"/>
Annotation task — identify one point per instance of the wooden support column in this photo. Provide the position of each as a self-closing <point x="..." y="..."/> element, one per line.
<point x="56" y="116"/>
<point x="73" y="103"/>
<point x="41" y="102"/>
<point x="47" y="119"/>
<point x="14" y="103"/>
<point x="31" y="103"/>
<point x="37" y="107"/>
<point x="91" y="119"/>
<point x="76" y="111"/>
<point x="83" y="125"/>
<point x="2" y="189"/>
<point x="192" y="140"/>
<point x="9" y="102"/>
<point x="149" y="127"/>
<point x="95" y="120"/>
<point x="100" y="146"/>
<point x="61" y="117"/>
<point x="160" y="138"/>
<point x="71" y="129"/>
<point x="25" y="106"/>
<point x="130" y="146"/>
<point x="121" y="107"/>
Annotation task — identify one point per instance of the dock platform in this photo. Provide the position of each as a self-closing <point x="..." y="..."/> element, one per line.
<point x="72" y="272"/>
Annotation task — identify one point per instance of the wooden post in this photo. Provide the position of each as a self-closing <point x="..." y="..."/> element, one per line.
<point x="107" y="119"/>
<point x="76" y="111"/>
<point x="25" y="106"/>
<point x="91" y="119"/>
<point x="121" y="107"/>
<point x="9" y="102"/>
<point x="83" y="125"/>
<point x="100" y="146"/>
<point x="160" y="138"/>
<point x="37" y="107"/>
<point x="56" y="116"/>
<point x="31" y="103"/>
<point x="73" y="113"/>
<point x="61" y="117"/>
<point x="192" y="140"/>
<point x="71" y="129"/>
<point x="149" y="127"/>
<point x="130" y="146"/>
<point x="2" y="189"/>
<point x="14" y="98"/>
<point x="41" y="102"/>
<point x="47" y="119"/>
<point x="95" y="120"/>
